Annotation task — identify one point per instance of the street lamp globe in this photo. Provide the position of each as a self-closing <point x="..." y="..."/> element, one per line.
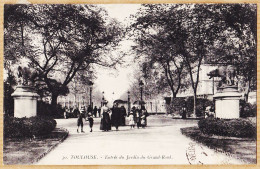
<point x="91" y="84"/>
<point x="103" y="98"/>
<point x="141" y="84"/>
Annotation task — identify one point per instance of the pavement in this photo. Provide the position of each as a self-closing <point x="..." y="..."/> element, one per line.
<point x="161" y="142"/>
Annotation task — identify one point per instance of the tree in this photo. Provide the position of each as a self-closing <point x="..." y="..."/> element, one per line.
<point x="199" y="24"/>
<point x="238" y="45"/>
<point x="9" y="84"/>
<point x="192" y="33"/>
<point x="80" y="84"/>
<point x="158" y="44"/>
<point x="185" y="32"/>
<point x="60" y="40"/>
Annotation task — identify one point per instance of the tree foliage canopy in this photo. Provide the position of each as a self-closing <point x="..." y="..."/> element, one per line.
<point x="59" y="40"/>
<point x="181" y="37"/>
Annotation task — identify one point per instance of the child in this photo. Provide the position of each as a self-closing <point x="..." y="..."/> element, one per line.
<point x="91" y="120"/>
<point x="81" y="115"/>
<point x="143" y="123"/>
<point x="131" y="120"/>
<point x="66" y="113"/>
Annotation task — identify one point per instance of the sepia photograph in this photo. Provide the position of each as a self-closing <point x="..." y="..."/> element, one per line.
<point x="130" y="84"/>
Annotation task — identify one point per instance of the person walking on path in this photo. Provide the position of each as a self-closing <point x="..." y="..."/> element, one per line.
<point x="90" y="120"/>
<point x="75" y="111"/>
<point x="144" y="116"/>
<point x="95" y="111"/>
<point x="134" y="112"/>
<point x="66" y="112"/>
<point x="131" y="120"/>
<point x="105" y="124"/>
<point x="116" y="116"/>
<point x="81" y="116"/>
<point x="99" y="112"/>
<point x="123" y="115"/>
<point x="90" y="109"/>
<point x="138" y="117"/>
<point x="143" y="121"/>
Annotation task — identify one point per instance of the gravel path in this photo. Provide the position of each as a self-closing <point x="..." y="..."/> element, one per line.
<point x="160" y="143"/>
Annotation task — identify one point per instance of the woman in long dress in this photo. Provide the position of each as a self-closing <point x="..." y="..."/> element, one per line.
<point x="105" y="124"/>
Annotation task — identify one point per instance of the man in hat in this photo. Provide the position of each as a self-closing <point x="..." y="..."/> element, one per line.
<point x="90" y="109"/>
<point x="81" y="116"/>
<point x="95" y="111"/>
<point x="122" y="115"/>
<point x="116" y="115"/>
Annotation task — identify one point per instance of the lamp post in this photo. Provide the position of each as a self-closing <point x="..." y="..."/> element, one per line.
<point x="90" y="93"/>
<point x="129" y="109"/>
<point x="213" y="83"/>
<point x="141" y="84"/>
<point x="102" y="98"/>
<point x="83" y="103"/>
<point x="113" y="96"/>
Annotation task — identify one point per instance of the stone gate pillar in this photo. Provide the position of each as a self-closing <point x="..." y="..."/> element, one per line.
<point x="227" y="103"/>
<point x="25" y="101"/>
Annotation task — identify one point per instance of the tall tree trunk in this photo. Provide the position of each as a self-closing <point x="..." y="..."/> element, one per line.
<point x="247" y="91"/>
<point x="174" y="95"/>
<point x="54" y="98"/>
<point x="195" y="103"/>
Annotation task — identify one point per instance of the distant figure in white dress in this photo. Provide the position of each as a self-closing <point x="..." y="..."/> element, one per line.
<point x="131" y="120"/>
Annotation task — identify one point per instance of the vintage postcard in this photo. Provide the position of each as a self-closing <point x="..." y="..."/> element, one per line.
<point x="130" y="84"/>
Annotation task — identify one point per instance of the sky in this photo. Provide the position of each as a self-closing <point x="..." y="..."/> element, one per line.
<point x="118" y="81"/>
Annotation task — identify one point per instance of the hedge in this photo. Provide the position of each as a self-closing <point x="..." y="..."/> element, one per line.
<point x="46" y="109"/>
<point x="28" y="127"/>
<point x="243" y="128"/>
<point x="178" y="103"/>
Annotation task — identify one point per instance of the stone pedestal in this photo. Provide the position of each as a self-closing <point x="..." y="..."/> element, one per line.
<point x="227" y="103"/>
<point x="25" y="101"/>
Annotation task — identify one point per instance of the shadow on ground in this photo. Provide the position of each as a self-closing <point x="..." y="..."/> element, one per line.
<point x="244" y="149"/>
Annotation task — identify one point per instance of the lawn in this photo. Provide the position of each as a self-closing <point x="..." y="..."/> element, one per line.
<point x="244" y="149"/>
<point x="29" y="151"/>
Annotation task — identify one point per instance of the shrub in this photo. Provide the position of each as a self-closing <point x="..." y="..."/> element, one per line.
<point x="228" y="127"/>
<point x="202" y="103"/>
<point x="28" y="127"/>
<point x="177" y="104"/>
<point x="247" y="109"/>
<point x="46" y="109"/>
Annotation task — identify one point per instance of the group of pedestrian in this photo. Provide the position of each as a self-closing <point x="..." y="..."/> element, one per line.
<point x="112" y="117"/>
<point x="96" y="111"/>
<point x="138" y="117"/>
<point x="116" y="119"/>
<point x="82" y="114"/>
<point x="73" y="111"/>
